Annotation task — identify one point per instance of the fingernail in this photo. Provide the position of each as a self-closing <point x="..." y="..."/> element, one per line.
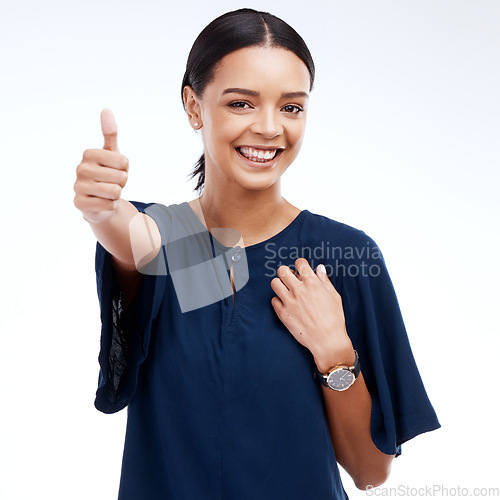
<point x="322" y="269"/>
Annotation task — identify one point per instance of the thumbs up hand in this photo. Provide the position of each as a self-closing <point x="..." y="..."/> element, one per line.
<point x="101" y="175"/>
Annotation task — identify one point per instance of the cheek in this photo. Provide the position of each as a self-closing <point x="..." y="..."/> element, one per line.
<point x="218" y="139"/>
<point x="233" y="125"/>
<point x="213" y="121"/>
<point x="225" y="127"/>
<point x="296" y="133"/>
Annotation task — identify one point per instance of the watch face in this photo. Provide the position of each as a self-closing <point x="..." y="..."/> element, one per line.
<point x="340" y="379"/>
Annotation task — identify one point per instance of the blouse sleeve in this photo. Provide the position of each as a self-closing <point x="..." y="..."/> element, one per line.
<point x="400" y="406"/>
<point x="125" y="329"/>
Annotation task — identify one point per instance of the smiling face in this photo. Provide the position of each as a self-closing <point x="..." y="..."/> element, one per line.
<point x="253" y="115"/>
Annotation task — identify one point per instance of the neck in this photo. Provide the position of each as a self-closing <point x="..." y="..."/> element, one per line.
<point x="255" y="214"/>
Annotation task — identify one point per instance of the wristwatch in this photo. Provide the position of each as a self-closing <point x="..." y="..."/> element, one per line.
<point x="340" y="377"/>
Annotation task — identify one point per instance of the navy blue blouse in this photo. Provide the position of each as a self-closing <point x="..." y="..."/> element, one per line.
<point x="223" y="402"/>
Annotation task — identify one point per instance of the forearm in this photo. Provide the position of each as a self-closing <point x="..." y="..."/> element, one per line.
<point x="349" y="419"/>
<point x="132" y="238"/>
<point x="310" y="307"/>
<point x="114" y="233"/>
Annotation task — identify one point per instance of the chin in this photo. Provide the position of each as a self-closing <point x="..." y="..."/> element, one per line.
<point x="257" y="183"/>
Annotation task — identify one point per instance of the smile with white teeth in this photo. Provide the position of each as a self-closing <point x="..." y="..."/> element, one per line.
<point x="258" y="155"/>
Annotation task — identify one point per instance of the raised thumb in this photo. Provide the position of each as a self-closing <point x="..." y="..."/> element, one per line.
<point x="109" y="130"/>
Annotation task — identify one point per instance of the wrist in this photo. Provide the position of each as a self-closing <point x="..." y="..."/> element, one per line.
<point x="344" y="355"/>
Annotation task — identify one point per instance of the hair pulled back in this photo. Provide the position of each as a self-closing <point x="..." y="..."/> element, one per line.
<point x="233" y="31"/>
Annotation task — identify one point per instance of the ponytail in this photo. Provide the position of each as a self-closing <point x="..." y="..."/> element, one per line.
<point x="199" y="170"/>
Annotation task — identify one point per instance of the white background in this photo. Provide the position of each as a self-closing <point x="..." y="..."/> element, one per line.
<point x="402" y="142"/>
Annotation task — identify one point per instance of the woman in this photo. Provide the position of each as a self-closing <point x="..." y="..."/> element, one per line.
<point x="245" y="378"/>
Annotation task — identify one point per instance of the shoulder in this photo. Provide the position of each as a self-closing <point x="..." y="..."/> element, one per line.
<point x="143" y="206"/>
<point x="175" y="221"/>
<point x="323" y="228"/>
<point x="162" y="213"/>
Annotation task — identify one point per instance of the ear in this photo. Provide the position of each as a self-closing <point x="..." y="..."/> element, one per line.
<point x="192" y="105"/>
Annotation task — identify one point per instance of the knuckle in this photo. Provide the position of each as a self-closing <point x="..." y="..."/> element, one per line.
<point x="116" y="190"/>
<point x="282" y="269"/>
<point x="83" y="170"/>
<point x="77" y="188"/>
<point x="88" y="154"/>
<point x="124" y="162"/>
<point x="79" y="169"/>
<point x="123" y="177"/>
<point x="79" y="202"/>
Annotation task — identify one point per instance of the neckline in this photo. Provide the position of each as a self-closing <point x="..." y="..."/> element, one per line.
<point x="295" y="221"/>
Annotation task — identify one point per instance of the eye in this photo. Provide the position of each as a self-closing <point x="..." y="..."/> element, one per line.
<point x="239" y="105"/>
<point x="292" y="109"/>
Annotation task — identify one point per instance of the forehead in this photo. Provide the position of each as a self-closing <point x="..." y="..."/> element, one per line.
<point x="261" y="68"/>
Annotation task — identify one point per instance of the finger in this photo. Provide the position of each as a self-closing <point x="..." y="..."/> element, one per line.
<point x="106" y="174"/>
<point x="279" y="288"/>
<point x="325" y="279"/>
<point x="288" y="277"/>
<point x="105" y="158"/>
<point x="321" y="272"/>
<point x="103" y="190"/>
<point x="277" y="305"/>
<point x="303" y="267"/>
<point x="109" y="130"/>
<point x="94" y="204"/>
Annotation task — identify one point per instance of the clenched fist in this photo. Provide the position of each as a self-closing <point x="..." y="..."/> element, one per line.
<point x="101" y="175"/>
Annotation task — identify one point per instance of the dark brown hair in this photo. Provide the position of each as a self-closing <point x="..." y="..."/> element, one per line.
<point x="233" y="31"/>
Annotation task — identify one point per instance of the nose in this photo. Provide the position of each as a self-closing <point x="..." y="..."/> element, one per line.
<point x="267" y="123"/>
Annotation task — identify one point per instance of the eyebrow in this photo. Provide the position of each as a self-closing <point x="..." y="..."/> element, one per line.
<point x="253" y="93"/>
